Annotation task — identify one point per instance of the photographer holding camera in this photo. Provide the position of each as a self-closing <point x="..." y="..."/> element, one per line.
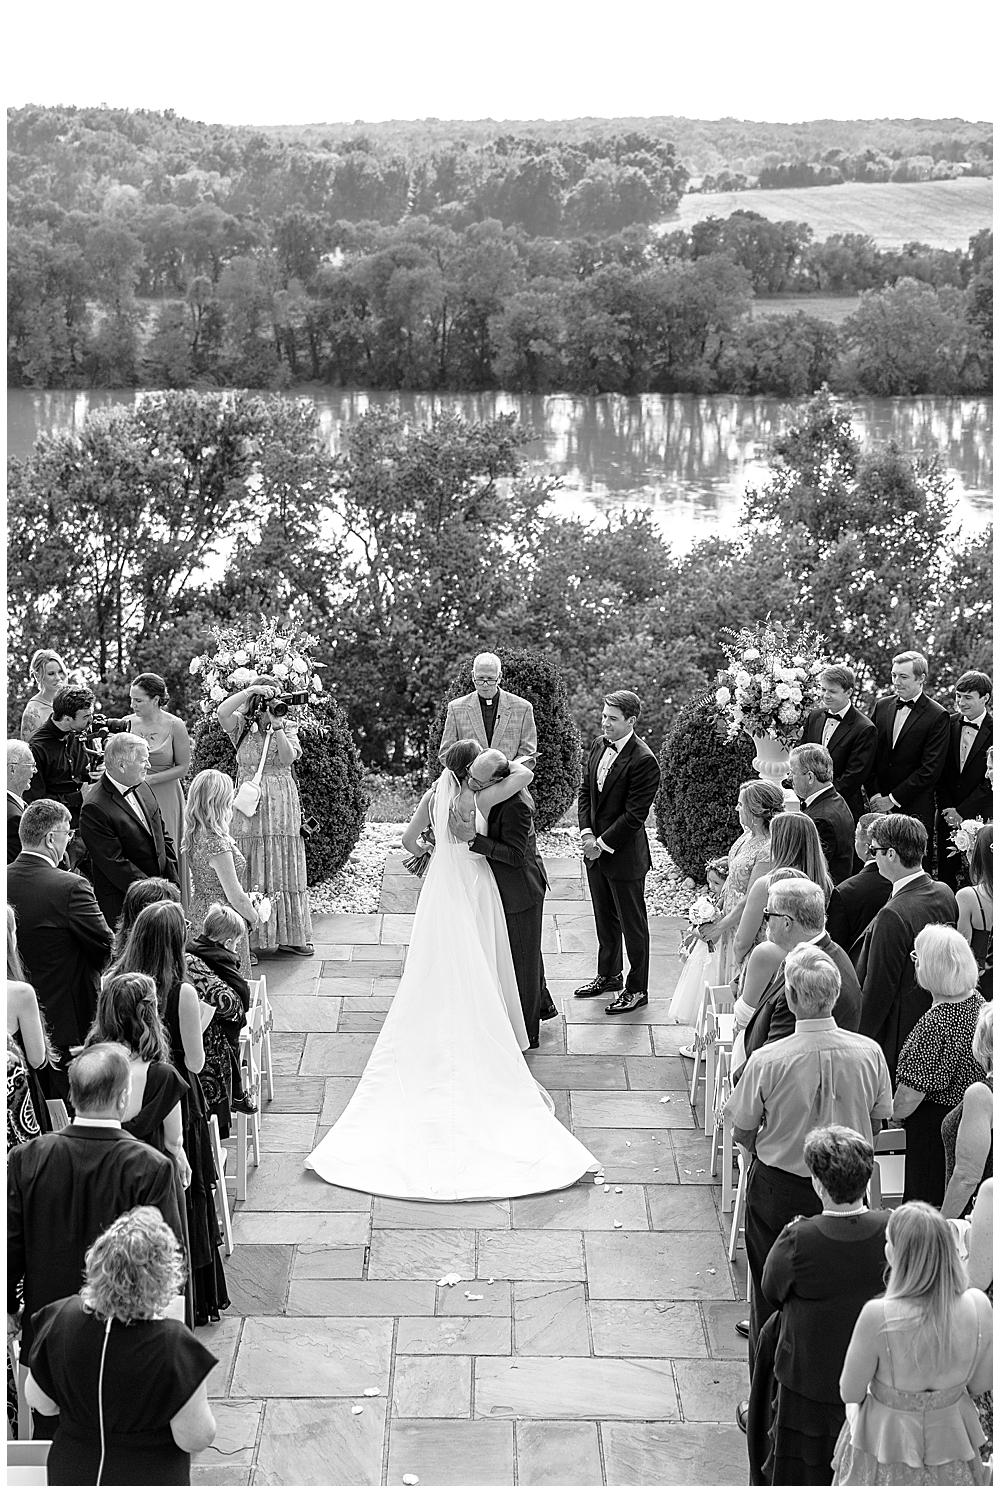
<point x="64" y="765"/>
<point x="267" y="817"/>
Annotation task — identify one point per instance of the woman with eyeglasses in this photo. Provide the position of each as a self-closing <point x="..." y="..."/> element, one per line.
<point x="936" y="1063"/>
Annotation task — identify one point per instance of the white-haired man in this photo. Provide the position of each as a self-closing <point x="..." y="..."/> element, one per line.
<point x="121" y="826"/>
<point x="20" y="769"/>
<point x="492" y="716"/>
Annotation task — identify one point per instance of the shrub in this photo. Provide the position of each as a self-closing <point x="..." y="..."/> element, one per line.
<point x="329" y="775"/>
<point x="557" y="769"/>
<point x="701" y="774"/>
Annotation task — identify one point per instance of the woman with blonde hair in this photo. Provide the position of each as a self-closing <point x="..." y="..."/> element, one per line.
<point x="215" y="861"/>
<point x="916" y="1356"/>
<point x="28" y="1049"/>
<point x="935" y="1064"/>
<point x="757" y="805"/>
<point x="128" y="1382"/>
<point x="50" y="674"/>
<point x="795" y="844"/>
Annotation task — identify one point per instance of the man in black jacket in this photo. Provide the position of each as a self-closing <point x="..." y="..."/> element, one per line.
<point x="619" y="784"/>
<point x="963" y="791"/>
<point x="855" y="901"/>
<point x="62" y="937"/>
<point x="912" y="747"/>
<point x="849" y="736"/>
<point x="20" y="769"/>
<point x="122" y="827"/>
<point x="62" y="766"/>
<point x="812" y="780"/>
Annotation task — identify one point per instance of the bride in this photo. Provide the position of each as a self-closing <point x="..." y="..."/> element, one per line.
<point x="447" y="1108"/>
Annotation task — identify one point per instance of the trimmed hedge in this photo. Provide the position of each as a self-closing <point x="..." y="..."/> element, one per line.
<point x="557" y="769"/>
<point x="701" y="773"/>
<point x="330" y="778"/>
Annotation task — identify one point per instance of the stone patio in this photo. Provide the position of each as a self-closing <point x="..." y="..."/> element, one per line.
<point x="591" y="1338"/>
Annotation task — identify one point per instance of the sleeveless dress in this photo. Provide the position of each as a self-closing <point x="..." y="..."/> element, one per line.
<point x="446" y="1108"/>
<point x="982" y="948"/>
<point x="206" y="887"/>
<point x="923" y="1437"/>
<point x="743" y="856"/>
<point x="949" y="1140"/>
<point x="274" y="848"/>
<point x="170" y="802"/>
<point x="164" y="1088"/>
<point x="35" y="714"/>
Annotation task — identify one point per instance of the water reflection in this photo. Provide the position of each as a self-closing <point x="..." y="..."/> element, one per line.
<point x="686" y="458"/>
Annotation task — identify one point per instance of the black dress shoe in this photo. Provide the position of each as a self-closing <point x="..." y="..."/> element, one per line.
<point x="742" y="1411"/>
<point x="743" y="1328"/>
<point x="547" y="1013"/>
<point x="533" y="1044"/>
<point x="599" y="984"/>
<point x="629" y="1000"/>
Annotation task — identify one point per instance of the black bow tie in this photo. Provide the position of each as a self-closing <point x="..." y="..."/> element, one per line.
<point x="904" y="704"/>
<point x="973" y="724"/>
<point x="611" y="745"/>
<point x="832" y="715"/>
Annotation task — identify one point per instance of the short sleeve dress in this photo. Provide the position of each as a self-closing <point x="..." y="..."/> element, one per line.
<point x="151" y="1370"/>
<point x="206" y="887"/>
<point x="936" y="1060"/>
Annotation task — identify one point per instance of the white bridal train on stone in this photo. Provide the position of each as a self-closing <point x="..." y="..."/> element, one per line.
<point x="446" y="1108"/>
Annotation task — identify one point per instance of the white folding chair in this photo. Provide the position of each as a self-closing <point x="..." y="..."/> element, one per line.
<point x="248" y="1126"/>
<point x="739" y="1210"/>
<point x="698" y="1042"/>
<point x="722" y="1130"/>
<point x="720" y="1030"/>
<point x="26" y="1464"/>
<point x="221" y="1195"/>
<point x="889" y="1172"/>
<point x="264" y="1061"/>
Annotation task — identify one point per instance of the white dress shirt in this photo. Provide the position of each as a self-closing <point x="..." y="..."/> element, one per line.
<point x="131" y="800"/>
<point x="905" y="881"/>
<point x="605" y="765"/>
<point x="970" y="730"/>
<point x="902" y="716"/>
<point x="830" y="725"/>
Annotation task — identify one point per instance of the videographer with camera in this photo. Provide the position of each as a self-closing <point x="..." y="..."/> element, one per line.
<point x="267" y="817"/>
<point x="64" y="764"/>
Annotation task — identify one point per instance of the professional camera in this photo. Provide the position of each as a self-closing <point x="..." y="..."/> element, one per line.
<point x="279" y="705"/>
<point x="96" y="735"/>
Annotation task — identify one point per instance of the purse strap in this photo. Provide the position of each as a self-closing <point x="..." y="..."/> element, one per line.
<point x="263" y="758"/>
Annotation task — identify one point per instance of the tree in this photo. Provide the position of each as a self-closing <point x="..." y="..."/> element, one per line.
<point x="910" y="339"/>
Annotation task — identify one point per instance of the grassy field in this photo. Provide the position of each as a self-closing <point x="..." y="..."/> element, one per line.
<point x="834" y="308"/>
<point x="944" y="214"/>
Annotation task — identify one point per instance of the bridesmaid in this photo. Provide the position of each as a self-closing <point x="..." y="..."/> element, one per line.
<point x="169" y="758"/>
<point x="50" y="675"/>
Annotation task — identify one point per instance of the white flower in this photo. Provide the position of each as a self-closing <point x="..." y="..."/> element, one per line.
<point x="280" y="646"/>
<point x="794" y="693"/>
<point x="299" y="664"/>
<point x="742" y="678"/>
<point x="280" y="671"/>
<point x="798" y="661"/>
<point x="798" y="673"/>
<point x="316" y="684"/>
<point x="223" y="657"/>
<point x="782" y="691"/>
<point x="722" y="696"/>
<point x="240" y="678"/>
<point x="194" y="667"/>
<point x="818" y="667"/>
<point x="751" y="653"/>
<point x="217" y="692"/>
<point x="788" y="714"/>
<point x="241" y="656"/>
<point x="702" y="910"/>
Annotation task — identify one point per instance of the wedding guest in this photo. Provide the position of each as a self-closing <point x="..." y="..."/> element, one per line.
<point x="795" y="843"/>
<point x="139" y="895"/>
<point x="967" y="1130"/>
<point x="49" y="673"/>
<point x="849" y="737"/>
<point x="812" y="780"/>
<point x="217" y="864"/>
<point x="936" y="1064"/>
<point x="914" y="1358"/>
<point x="218" y="947"/>
<point x="854" y="903"/>
<point x="492" y="716"/>
<point x="975" y="908"/>
<point x="63" y="939"/>
<point x="62" y="766"/>
<point x="20" y="769"/>
<point x="891" y="1002"/>
<point x="963" y="791"/>
<point x="912" y="746"/>
<point x="749" y="858"/>
<point x="169" y="744"/>
<point x="122" y="827"/>
<point x="28" y="1049"/>
<point x="617" y="792"/>
<point x="128" y="1382"/>
<point x="271" y="838"/>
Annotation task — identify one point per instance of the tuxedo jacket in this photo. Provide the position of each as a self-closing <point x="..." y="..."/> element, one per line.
<point x="617" y="813"/>
<point x="14" y="812"/>
<point x="854" y="903"/>
<point x="911" y="769"/>
<point x="967" y="789"/>
<point x="65" y="1189"/>
<point x="891" y="1000"/>
<point x="773" y="1017"/>
<point x="835" y="825"/>
<point x="64" y="943"/>
<point x="121" y="850"/>
<point x="509" y="846"/>
<point x="852" y="747"/>
<point x="514" y="731"/>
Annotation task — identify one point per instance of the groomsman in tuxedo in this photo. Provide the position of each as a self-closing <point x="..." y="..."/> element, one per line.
<point x="122" y="828"/>
<point x="812" y="780"/>
<point x="848" y="736"/>
<point x="617" y="792"/>
<point x="912" y="746"/>
<point x="855" y="901"/>
<point x="492" y="716"/>
<point x="963" y="792"/>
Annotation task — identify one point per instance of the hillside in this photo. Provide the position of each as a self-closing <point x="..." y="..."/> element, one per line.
<point x="943" y="214"/>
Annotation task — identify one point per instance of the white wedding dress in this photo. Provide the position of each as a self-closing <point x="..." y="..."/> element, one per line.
<point x="446" y="1108"/>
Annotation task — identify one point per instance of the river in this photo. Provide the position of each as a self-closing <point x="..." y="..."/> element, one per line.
<point x="686" y="458"/>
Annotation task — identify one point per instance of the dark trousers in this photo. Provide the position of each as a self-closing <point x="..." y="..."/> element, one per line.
<point x="774" y="1198"/>
<point x="525" y="930"/>
<point x="620" y="911"/>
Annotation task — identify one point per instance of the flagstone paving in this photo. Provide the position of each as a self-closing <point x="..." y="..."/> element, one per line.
<point x="591" y="1337"/>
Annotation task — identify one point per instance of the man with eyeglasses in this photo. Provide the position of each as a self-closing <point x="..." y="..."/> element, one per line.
<point x="891" y="1000"/>
<point x="855" y="901"/>
<point x="492" y="716"/>
<point x="912" y="746"/>
<point x="964" y="791"/>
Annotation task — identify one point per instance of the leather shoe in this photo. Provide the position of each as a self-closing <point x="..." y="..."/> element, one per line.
<point x="534" y="1044"/>
<point x="548" y="1013"/>
<point x="629" y="1000"/>
<point x="598" y="985"/>
<point x="743" y="1328"/>
<point x="742" y="1411"/>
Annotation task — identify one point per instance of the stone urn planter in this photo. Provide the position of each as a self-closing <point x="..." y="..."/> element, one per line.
<point x="771" y="765"/>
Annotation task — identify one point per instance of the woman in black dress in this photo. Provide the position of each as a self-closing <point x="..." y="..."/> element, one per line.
<point x="155" y="947"/>
<point x="936" y="1064"/>
<point x="819" y="1274"/>
<point x="129" y="1384"/>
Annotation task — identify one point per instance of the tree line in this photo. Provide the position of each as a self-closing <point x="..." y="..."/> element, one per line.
<point x="415" y="547"/>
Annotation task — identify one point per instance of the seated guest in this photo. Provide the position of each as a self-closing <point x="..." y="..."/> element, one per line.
<point x="62" y="766"/>
<point x="20" y="770"/>
<point x="63" y="939"/>
<point x="963" y="790"/>
<point x="812" y="779"/>
<point x="28" y="1049"/>
<point x="63" y="1188"/>
<point x="93" y="1352"/>
<point x="975" y="908"/>
<point x="141" y="894"/>
<point x="967" y="1130"/>
<point x="820" y="1075"/>
<point x="936" y="1065"/>
<point x="49" y="673"/>
<point x="849" y="737"/>
<point x="854" y="903"/>
<point x="122" y="827"/>
<point x="818" y="1275"/>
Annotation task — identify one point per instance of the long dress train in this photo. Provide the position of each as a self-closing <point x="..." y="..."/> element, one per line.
<point x="447" y="1108"/>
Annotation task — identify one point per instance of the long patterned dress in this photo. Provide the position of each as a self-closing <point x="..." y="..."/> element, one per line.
<point x="206" y="887"/>
<point x="274" y="848"/>
<point x="744" y="855"/>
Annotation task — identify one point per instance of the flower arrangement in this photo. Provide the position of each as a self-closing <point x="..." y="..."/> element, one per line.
<point x="769" y="684"/>
<point x="702" y="910"/>
<point x="417" y="864"/>
<point x="964" y="837"/>
<point x="239" y="653"/>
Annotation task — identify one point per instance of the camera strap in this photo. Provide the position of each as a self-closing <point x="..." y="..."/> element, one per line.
<point x="263" y="758"/>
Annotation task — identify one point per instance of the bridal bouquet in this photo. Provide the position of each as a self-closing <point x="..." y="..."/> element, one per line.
<point x="769" y="683"/>
<point x="417" y="864"/>
<point x="702" y="910"/>
<point x="239" y="653"/>
<point x="963" y="838"/>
